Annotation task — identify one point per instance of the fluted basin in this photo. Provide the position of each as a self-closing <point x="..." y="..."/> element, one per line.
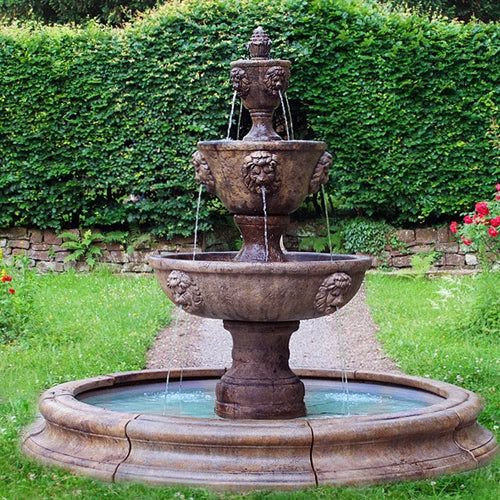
<point x="309" y="285"/>
<point x="239" y="170"/>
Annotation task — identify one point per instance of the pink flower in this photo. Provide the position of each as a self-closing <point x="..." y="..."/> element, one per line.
<point x="12" y="291"/>
<point x="453" y="227"/>
<point x="497" y="187"/>
<point x="482" y="208"/>
<point x="6" y="278"/>
<point x="466" y="241"/>
<point x="497" y="196"/>
<point x="468" y="220"/>
<point x="492" y="232"/>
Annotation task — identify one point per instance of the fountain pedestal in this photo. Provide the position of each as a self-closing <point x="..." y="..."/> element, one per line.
<point x="260" y="383"/>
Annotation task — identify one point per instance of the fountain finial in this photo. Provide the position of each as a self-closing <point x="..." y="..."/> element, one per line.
<point x="259" y="45"/>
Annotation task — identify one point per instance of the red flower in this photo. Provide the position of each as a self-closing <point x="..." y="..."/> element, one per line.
<point x="453" y="227"/>
<point x="466" y="241"/>
<point x="12" y="291"/>
<point x="495" y="222"/>
<point x="482" y="208"/>
<point x="497" y="187"/>
<point x="467" y="220"/>
<point x="497" y="196"/>
<point x="6" y="278"/>
<point x="492" y="232"/>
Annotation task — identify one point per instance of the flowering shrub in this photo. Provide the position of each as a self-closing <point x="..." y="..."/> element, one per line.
<point x="16" y="294"/>
<point x="481" y="230"/>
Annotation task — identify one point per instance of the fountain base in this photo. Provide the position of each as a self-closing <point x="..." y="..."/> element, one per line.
<point x="424" y="442"/>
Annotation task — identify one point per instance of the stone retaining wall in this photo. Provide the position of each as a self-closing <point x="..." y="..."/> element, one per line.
<point x="45" y="253"/>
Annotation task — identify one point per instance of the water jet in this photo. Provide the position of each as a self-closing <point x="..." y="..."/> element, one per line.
<point x="260" y="424"/>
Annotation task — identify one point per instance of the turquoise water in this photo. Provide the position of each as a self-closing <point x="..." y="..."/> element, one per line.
<point x="324" y="398"/>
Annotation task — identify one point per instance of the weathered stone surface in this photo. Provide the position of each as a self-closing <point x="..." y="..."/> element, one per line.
<point x="401" y="261"/>
<point x="40" y="247"/>
<point x="444" y="235"/>
<point x="406" y="236"/>
<point x="25" y="244"/>
<point x="61" y="255"/>
<point x="14" y="233"/>
<point x="39" y="255"/>
<point x="426" y="235"/>
<point x="471" y="259"/>
<point x="35" y="235"/>
<point x="44" y="266"/>
<point x="3" y="242"/>
<point x="454" y="259"/>
<point x="447" y="247"/>
<point x="50" y="237"/>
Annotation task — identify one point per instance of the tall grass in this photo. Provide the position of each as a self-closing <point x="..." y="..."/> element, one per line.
<point x="97" y="323"/>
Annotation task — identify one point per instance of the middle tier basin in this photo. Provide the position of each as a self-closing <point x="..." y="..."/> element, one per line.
<point x="239" y="170"/>
<point x="212" y="285"/>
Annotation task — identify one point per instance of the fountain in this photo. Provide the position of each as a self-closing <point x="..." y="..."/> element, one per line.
<point x="271" y="427"/>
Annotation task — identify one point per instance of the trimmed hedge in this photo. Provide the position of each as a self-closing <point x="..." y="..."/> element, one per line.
<point x="93" y="117"/>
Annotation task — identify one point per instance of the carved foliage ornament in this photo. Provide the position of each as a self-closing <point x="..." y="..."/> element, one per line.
<point x="203" y="174"/>
<point x="331" y="293"/>
<point x="186" y="293"/>
<point x="240" y="81"/>
<point x="320" y="173"/>
<point x="276" y="80"/>
<point x="260" y="171"/>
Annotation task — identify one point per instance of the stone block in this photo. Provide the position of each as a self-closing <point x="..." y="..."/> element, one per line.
<point x="40" y="247"/>
<point x="39" y="255"/>
<point x="50" y="237"/>
<point x="17" y="251"/>
<point x="118" y="257"/>
<point x="35" y="235"/>
<point x="444" y="235"/>
<point x="471" y="259"/>
<point x="406" y="236"/>
<point x="44" y="266"/>
<point x="60" y="256"/>
<point x="3" y="242"/>
<point x="453" y="259"/>
<point x="25" y="244"/>
<point x="426" y="235"/>
<point x="422" y="249"/>
<point x="401" y="261"/>
<point x="447" y="247"/>
<point x="14" y="233"/>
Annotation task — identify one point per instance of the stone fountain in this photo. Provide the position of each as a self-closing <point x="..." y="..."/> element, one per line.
<point x="261" y="433"/>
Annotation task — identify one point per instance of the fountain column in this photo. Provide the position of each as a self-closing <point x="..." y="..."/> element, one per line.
<point x="260" y="383"/>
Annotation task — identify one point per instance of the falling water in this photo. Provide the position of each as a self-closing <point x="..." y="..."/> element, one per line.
<point x="284" y="115"/>
<point x="264" y="205"/>
<point x="289" y="116"/>
<point x="343" y="369"/>
<point x="239" y="121"/>
<point x="330" y="245"/>
<point x="200" y="190"/>
<point x="231" y="117"/>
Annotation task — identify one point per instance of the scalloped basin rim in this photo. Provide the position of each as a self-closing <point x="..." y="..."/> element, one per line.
<point x="276" y="145"/>
<point x="298" y="262"/>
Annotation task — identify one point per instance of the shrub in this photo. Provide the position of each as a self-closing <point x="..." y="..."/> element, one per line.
<point x="97" y="125"/>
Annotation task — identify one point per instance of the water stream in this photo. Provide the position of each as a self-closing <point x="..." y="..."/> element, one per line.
<point x="231" y="116"/>
<point x="289" y="116"/>
<point x="284" y="115"/>
<point x="200" y="190"/>
<point x="264" y="208"/>
<point x="330" y="245"/>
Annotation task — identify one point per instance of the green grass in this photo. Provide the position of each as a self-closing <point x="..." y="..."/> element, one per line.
<point x="98" y="323"/>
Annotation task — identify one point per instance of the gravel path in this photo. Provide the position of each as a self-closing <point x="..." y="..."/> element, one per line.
<point x="343" y="340"/>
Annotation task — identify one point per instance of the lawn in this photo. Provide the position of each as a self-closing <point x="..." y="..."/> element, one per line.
<point x="87" y="324"/>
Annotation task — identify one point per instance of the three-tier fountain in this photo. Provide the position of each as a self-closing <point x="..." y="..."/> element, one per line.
<point x="266" y="426"/>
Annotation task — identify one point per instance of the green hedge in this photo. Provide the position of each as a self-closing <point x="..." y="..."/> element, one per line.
<point x="91" y="116"/>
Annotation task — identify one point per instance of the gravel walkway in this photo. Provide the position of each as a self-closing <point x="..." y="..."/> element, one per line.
<point x="342" y="340"/>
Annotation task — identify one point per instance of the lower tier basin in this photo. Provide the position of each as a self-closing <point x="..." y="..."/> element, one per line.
<point x="431" y="431"/>
<point x="213" y="285"/>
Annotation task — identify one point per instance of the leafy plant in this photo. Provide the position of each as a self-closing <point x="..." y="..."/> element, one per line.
<point x="422" y="262"/>
<point x="17" y="288"/>
<point x="319" y="239"/>
<point x="83" y="248"/>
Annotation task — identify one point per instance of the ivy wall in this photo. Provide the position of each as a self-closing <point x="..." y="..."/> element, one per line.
<point x="97" y="125"/>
